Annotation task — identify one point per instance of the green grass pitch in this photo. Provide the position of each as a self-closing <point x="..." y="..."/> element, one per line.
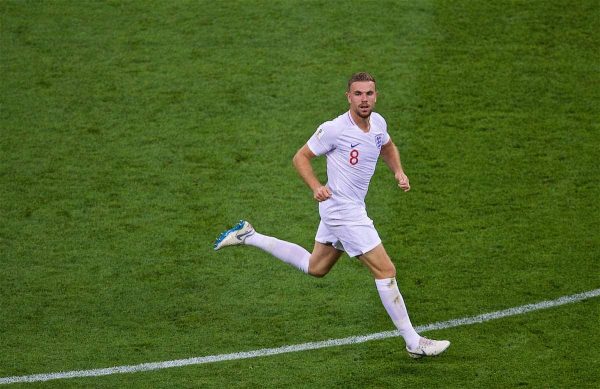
<point x="133" y="132"/>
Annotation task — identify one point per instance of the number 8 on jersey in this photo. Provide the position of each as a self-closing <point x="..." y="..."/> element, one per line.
<point x="353" y="157"/>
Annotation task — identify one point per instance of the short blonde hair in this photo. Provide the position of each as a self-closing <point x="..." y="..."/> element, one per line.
<point x="360" y="76"/>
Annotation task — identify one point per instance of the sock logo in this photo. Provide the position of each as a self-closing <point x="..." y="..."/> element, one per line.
<point x="244" y="235"/>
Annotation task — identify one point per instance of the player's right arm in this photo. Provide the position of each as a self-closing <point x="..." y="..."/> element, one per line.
<point x="302" y="163"/>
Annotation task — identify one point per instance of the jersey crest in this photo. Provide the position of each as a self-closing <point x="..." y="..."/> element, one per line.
<point x="379" y="140"/>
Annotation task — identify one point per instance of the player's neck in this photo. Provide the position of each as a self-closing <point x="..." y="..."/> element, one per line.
<point x="362" y="123"/>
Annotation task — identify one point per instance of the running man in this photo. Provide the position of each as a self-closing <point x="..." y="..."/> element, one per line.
<point x="352" y="144"/>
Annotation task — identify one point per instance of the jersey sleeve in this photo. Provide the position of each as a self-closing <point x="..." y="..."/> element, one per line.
<point x="324" y="139"/>
<point x="386" y="138"/>
<point x="382" y="124"/>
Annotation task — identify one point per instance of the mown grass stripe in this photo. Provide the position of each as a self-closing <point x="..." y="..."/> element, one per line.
<point x="304" y="346"/>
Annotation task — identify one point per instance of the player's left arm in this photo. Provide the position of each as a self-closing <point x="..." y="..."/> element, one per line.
<point x="391" y="156"/>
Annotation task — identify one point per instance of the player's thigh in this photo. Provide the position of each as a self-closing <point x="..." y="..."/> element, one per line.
<point x="379" y="262"/>
<point x="322" y="259"/>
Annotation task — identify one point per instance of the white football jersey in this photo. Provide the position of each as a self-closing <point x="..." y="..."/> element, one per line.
<point x="351" y="156"/>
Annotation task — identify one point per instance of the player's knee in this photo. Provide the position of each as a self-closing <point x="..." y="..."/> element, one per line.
<point x="318" y="269"/>
<point x="388" y="273"/>
<point x="318" y="273"/>
<point x="388" y="270"/>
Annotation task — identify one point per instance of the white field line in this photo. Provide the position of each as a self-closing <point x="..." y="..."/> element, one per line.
<point x="301" y="347"/>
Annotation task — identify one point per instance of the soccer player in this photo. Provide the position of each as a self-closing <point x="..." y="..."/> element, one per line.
<point x="352" y="144"/>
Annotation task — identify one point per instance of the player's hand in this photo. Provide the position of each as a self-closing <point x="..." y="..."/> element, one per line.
<point x="403" y="182"/>
<point x="322" y="193"/>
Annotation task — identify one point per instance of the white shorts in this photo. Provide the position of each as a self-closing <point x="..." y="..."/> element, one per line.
<point x="355" y="240"/>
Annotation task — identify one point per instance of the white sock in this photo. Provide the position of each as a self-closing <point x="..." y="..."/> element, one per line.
<point x="288" y="252"/>
<point x="394" y="305"/>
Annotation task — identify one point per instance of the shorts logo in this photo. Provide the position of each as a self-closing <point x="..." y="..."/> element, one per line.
<point x="379" y="140"/>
